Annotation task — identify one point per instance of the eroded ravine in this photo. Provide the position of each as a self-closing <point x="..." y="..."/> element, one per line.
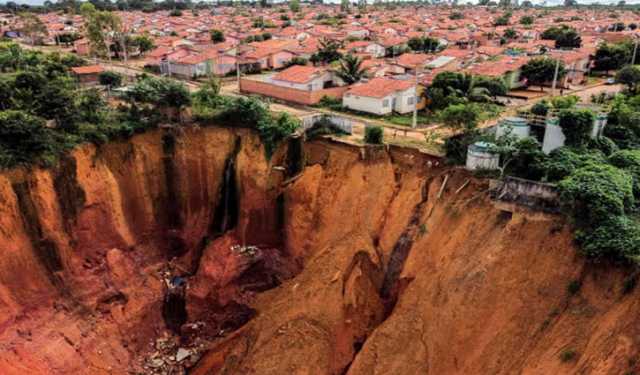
<point x="189" y="249"/>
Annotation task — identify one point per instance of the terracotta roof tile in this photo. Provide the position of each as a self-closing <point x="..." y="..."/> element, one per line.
<point x="380" y="87"/>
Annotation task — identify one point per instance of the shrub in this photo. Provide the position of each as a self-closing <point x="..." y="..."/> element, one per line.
<point x="23" y="138"/>
<point x="603" y="144"/>
<point x="273" y="131"/>
<point x="576" y="126"/>
<point x="629" y="160"/>
<point x="461" y="116"/>
<point x="596" y="192"/>
<point x="111" y="79"/>
<point x="565" y="160"/>
<point x="455" y="147"/>
<point x="616" y="237"/>
<point x="373" y="135"/>
<point x="541" y="108"/>
<point x="568" y="355"/>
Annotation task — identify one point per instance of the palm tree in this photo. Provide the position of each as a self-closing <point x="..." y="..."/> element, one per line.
<point x="351" y="70"/>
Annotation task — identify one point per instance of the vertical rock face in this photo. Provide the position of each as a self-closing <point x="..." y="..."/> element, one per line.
<point x="369" y="261"/>
<point x="82" y="243"/>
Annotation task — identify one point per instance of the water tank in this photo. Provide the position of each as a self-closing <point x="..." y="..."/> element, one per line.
<point x="553" y="136"/>
<point x="598" y="125"/>
<point x="479" y="156"/>
<point x="517" y="125"/>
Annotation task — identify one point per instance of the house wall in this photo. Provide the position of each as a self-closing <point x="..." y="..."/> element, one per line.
<point x="313" y="85"/>
<point x="289" y="94"/>
<point x="223" y="69"/>
<point x="279" y="59"/>
<point x="402" y="104"/>
<point x="368" y="104"/>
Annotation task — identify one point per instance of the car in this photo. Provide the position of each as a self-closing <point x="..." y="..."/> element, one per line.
<point x="610" y="81"/>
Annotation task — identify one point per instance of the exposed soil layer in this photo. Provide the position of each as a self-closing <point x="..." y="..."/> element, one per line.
<point x="191" y="251"/>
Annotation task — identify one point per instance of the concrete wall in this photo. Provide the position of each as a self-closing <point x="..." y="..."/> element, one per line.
<point x="528" y="193"/>
<point x="344" y="123"/>
<point x="288" y="94"/>
<point x="402" y="101"/>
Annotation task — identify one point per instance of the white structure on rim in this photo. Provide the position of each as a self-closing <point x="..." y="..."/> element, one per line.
<point x="479" y="156"/>
<point x="516" y="126"/>
<point x="554" y="137"/>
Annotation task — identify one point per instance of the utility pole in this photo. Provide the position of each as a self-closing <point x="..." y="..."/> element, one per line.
<point x="555" y="78"/>
<point x="635" y="51"/>
<point x="414" y="123"/>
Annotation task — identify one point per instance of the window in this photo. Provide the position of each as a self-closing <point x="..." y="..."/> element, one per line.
<point x="410" y="100"/>
<point x="310" y="87"/>
<point x="385" y="103"/>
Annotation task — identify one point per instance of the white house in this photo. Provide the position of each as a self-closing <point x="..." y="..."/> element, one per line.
<point x="381" y="96"/>
<point x="306" y="78"/>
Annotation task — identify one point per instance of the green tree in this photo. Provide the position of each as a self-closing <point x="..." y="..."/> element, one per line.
<point x="540" y="71"/>
<point x="526" y="20"/>
<point x="327" y="52"/>
<point x="629" y="161"/>
<point x="501" y="21"/>
<point x="461" y="116"/>
<point x="541" y="108"/>
<point x="629" y="76"/>
<point x="569" y="38"/>
<point x="164" y="94"/>
<point x="350" y="70"/>
<point x="294" y="5"/>
<point x="611" y="57"/>
<point x="217" y="36"/>
<point x="576" y="126"/>
<point x="596" y="192"/>
<point x="110" y="79"/>
<point x="373" y="135"/>
<point x="144" y="43"/>
<point x="510" y="34"/>
<point x="23" y="138"/>
<point x="344" y="5"/>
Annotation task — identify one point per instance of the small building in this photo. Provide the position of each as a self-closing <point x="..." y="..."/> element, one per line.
<point x="87" y="75"/>
<point x="382" y="96"/>
<point x="479" y="156"/>
<point x="297" y="84"/>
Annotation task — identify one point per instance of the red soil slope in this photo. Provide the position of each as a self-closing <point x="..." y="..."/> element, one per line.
<point x="364" y="264"/>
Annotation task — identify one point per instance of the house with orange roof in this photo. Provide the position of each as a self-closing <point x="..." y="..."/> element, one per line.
<point x="382" y="96"/>
<point x="87" y="75"/>
<point x="413" y="61"/>
<point x="373" y="49"/>
<point x="301" y="84"/>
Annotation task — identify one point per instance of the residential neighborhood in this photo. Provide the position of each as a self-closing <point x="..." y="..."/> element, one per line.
<point x="319" y="187"/>
<point x="403" y="46"/>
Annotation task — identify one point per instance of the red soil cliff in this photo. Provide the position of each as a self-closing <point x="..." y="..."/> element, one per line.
<point x="363" y="264"/>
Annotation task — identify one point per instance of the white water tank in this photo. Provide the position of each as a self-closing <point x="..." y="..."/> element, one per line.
<point x="598" y="125"/>
<point x="553" y="135"/>
<point x="479" y="156"/>
<point x="516" y="125"/>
